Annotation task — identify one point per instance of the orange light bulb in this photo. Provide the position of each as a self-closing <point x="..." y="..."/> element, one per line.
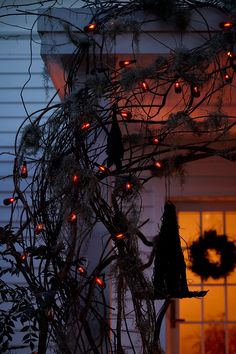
<point x="90" y="28"/>
<point x="124" y="63"/>
<point x="227" y="78"/>
<point x="23" y="257"/>
<point x="128" y="186"/>
<point x="177" y="86"/>
<point x="85" y="126"/>
<point x="39" y="228"/>
<point x="81" y="270"/>
<point x="226" y="25"/>
<point x="155" y="140"/>
<point x="144" y="86"/>
<point x="100" y="282"/>
<point x="24" y="170"/>
<point x="195" y="91"/>
<point x="75" y="179"/>
<point x="120" y="236"/>
<point x="72" y="217"/>
<point x="158" y="164"/>
<point x="126" y="115"/>
<point x="9" y="201"/>
<point x="103" y="169"/>
<point x="230" y="54"/>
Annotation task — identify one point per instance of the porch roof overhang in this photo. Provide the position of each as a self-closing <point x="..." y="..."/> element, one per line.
<point x="157" y="36"/>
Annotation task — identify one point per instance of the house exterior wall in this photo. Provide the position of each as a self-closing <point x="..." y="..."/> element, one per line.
<point x="20" y="64"/>
<point x="23" y="82"/>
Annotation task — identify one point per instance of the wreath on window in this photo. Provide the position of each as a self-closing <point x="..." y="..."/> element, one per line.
<point x="212" y="255"/>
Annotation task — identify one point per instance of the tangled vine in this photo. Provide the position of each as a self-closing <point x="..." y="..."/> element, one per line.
<point x="80" y="166"/>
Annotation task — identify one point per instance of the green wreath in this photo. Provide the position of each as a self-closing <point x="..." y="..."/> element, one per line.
<point x="199" y="255"/>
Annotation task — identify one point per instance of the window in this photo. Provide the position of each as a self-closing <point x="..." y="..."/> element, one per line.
<point x="205" y="325"/>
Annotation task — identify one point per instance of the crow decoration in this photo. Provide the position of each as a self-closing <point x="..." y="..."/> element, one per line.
<point x="170" y="269"/>
<point x="115" y="149"/>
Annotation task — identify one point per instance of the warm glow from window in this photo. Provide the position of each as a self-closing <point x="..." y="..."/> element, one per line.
<point x="220" y="302"/>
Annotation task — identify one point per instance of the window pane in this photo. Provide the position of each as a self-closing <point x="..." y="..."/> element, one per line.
<point x="214" y="339"/>
<point x="230" y="229"/>
<point x="232" y="277"/>
<point x="232" y="339"/>
<point x="231" y="303"/>
<point x="214" y="309"/>
<point x="189" y="225"/>
<point x="190" y="339"/>
<point x="190" y="309"/>
<point x="212" y="220"/>
<point x="189" y="230"/>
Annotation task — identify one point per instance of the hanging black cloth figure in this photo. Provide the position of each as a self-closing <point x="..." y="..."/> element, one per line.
<point x="115" y="149"/>
<point x="169" y="278"/>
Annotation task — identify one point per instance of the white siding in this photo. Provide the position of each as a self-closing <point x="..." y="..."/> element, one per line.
<point x="12" y="112"/>
<point x="21" y="65"/>
<point x="15" y="71"/>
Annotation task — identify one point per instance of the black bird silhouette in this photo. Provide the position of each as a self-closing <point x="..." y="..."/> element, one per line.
<point x="115" y="148"/>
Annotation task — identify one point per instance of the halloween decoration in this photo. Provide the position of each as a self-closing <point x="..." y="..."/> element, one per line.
<point x="169" y="277"/>
<point x="220" y="263"/>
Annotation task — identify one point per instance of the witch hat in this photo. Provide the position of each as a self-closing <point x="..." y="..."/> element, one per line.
<point x="169" y="277"/>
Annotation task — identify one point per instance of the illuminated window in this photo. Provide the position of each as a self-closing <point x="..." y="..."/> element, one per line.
<point x="206" y="325"/>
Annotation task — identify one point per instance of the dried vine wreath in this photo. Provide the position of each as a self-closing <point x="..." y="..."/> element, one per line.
<point x="202" y="265"/>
